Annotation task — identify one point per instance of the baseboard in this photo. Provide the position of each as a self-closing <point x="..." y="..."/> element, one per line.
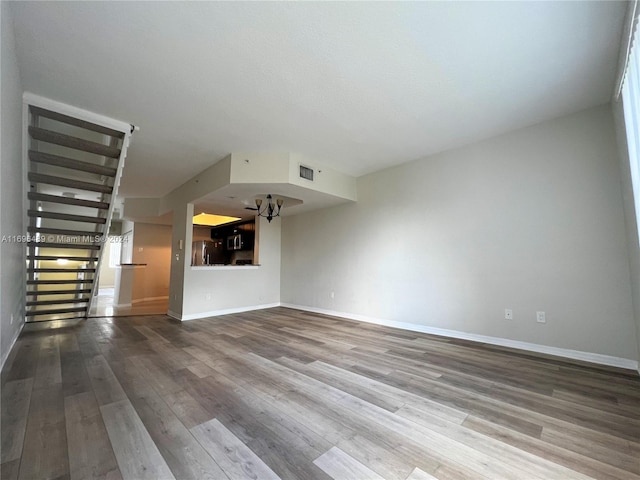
<point x="8" y="352"/>
<point x="225" y="311"/>
<point x="504" y="342"/>
<point x="149" y="299"/>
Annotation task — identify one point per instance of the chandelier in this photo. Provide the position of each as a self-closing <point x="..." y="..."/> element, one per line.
<point x="270" y="210"/>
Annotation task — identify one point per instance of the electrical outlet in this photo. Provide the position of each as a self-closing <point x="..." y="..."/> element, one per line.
<point x="508" y="314"/>
<point x="207" y="296"/>
<point x="541" y="317"/>
<point x="11" y="319"/>
<point x="333" y="294"/>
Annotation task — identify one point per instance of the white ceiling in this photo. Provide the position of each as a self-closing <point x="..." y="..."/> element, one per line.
<point x="358" y="86"/>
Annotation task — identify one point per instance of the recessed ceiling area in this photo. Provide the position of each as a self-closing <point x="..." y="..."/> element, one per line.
<point x="356" y="86"/>
<point x="239" y="200"/>
<point x="212" y="220"/>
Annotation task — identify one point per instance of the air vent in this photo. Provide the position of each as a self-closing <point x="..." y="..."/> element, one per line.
<point x="306" y="173"/>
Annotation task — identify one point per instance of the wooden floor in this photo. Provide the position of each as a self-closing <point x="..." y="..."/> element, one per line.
<point x="286" y="394"/>
<point x="105" y="306"/>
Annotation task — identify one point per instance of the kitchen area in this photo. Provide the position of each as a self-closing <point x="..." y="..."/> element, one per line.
<point x="228" y="268"/>
<point x="228" y="245"/>
<point x="238" y="266"/>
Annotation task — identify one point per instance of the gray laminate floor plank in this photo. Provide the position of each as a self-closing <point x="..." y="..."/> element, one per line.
<point x="136" y="453"/>
<point x="280" y="441"/>
<point x="10" y="470"/>
<point x="48" y="371"/>
<point x="233" y="456"/>
<point x="104" y="382"/>
<point x="90" y="452"/>
<point x="45" y="450"/>
<point x="184" y="455"/>
<point x="75" y="378"/>
<point x="16" y="397"/>
<point x="338" y="465"/>
<point x="418" y="474"/>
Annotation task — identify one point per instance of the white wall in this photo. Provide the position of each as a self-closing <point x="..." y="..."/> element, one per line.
<point x="633" y="241"/>
<point x="181" y="234"/>
<point x="531" y="220"/>
<point x="107" y="275"/>
<point x="11" y="192"/>
<point x="126" y="250"/>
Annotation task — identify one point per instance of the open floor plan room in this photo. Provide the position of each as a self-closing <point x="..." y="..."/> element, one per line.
<point x="287" y="394"/>
<point x="351" y="240"/>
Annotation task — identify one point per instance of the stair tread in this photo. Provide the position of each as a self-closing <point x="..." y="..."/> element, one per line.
<point x="58" y="292"/>
<point x="76" y="143"/>
<point x="62" y="231"/>
<point x="43" y="197"/>
<point x="66" y="216"/>
<point x="69" y="182"/>
<point x="58" y="282"/>
<point x="65" y="257"/>
<point x="75" y="121"/>
<point x="81" y="316"/>
<point x="73" y="246"/>
<point x="71" y="163"/>
<point x="31" y="313"/>
<point x="35" y="303"/>
<point x="60" y="270"/>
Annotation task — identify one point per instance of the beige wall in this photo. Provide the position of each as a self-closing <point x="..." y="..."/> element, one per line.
<point x="11" y="190"/>
<point x="152" y="246"/>
<point x="531" y="220"/>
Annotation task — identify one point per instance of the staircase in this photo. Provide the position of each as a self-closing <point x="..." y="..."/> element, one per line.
<point x="74" y="169"/>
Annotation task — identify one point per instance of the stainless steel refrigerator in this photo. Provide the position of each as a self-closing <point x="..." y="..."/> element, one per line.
<point x="208" y="253"/>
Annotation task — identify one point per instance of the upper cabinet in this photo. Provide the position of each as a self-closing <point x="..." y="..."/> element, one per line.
<point x="236" y="236"/>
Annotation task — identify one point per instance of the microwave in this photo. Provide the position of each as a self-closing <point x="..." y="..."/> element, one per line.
<point x="234" y="242"/>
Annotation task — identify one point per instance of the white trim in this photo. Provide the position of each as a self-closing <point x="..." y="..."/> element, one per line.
<point x="532" y="347"/>
<point x="86" y="115"/>
<point x="13" y="343"/>
<point x="225" y="311"/>
<point x="625" y="46"/>
<point x="112" y="204"/>
<point x="150" y="299"/>
<point x="26" y="203"/>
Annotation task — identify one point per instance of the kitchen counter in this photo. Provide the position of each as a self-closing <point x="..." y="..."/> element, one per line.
<point x="224" y="267"/>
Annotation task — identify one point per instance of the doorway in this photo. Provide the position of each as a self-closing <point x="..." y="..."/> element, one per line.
<point x="134" y="275"/>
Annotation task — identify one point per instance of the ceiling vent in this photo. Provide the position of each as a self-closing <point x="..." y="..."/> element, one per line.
<point x="306" y="173"/>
